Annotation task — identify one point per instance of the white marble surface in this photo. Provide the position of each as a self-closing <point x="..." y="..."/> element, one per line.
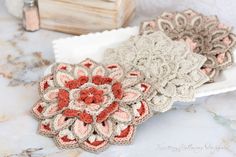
<point x="207" y="128"/>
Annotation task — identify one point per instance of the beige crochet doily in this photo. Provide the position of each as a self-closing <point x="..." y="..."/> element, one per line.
<point x="169" y="65"/>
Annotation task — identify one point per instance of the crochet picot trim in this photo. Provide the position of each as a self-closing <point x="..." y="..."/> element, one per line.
<point x="91" y="106"/>
<point x="205" y="34"/>
<point x="169" y="65"/>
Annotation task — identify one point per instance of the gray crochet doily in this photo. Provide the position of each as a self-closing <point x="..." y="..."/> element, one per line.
<point x="169" y="65"/>
<point x="206" y="35"/>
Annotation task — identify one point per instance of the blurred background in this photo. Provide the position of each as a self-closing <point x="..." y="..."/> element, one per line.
<point x="146" y="9"/>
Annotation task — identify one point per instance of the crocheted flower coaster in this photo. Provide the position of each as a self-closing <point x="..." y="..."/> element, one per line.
<point x="89" y="105"/>
<point x="169" y="65"/>
<point x="206" y="35"/>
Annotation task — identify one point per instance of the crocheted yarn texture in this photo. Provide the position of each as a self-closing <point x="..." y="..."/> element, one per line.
<point x="89" y="105"/>
<point x="206" y="35"/>
<point x="169" y="65"/>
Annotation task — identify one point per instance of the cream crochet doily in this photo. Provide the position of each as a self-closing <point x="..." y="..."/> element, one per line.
<point x="169" y="65"/>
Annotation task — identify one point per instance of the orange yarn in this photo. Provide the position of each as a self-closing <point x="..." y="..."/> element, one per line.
<point x="107" y="112"/>
<point x="73" y="84"/>
<point x="117" y="90"/>
<point x="96" y="143"/>
<point x="63" y="99"/>
<point x="45" y="86"/>
<point x="91" y="95"/>
<point x="86" y="118"/>
<point x="71" y="113"/>
<point x="66" y="139"/>
<point x="124" y="133"/>
<point x="40" y="109"/>
<point x="141" y="110"/>
<point x="47" y="127"/>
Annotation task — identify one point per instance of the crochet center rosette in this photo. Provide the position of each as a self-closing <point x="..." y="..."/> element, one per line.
<point x="169" y="65"/>
<point x="205" y="34"/>
<point x="90" y="105"/>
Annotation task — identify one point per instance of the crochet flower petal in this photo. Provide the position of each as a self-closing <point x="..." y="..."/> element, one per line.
<point x="82" y="130"/>
<point x="122" y="115"/>
<point x="62" y="67"/>
<point x="125" y="135"/>
<point x="227" y="60"/>
<point x="144" y="87"/>
<point x="88" y="63"/>
<point x="180" y="21"/>
<point x="116" y="72"/>
<point x="165" y="25"/>
<point x="105" y="128"/>
<point x="169" y="89"/>
<point x="62" y="78"/>
<point x="51" y="94"/>
<point x="60" y="122"/>
<point x="45" y="128"/>
<point x="197" y="76"/>
<point x="99" y="70"/>
<point x="66" y="139"/>
<point x="38" y="109"/>
<point x="50" y="110"/>
<point x="185" y="93"/>
<point x="161" y="103"/>
<point x="107" y="112"/>
<point x="80" y="71"/>
<point x="46" y="83"/>
<point x="132" y="78"/>
<point x="131" y="95"/>
<point x="95" y="146"/>
<point x="141" y="111"/>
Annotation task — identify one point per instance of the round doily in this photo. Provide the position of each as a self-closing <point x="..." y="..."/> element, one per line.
<point x="169" y="65"/>
<point x="205" y="34"/>
<point x="90" y="105"/>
